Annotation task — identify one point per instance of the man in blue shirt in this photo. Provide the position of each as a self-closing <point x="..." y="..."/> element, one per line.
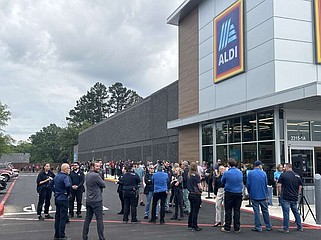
<point x="62" y="188"/>
<point x="160" y="180"/>
<point x="257" y="187"/>
<point x="232" y="179"/>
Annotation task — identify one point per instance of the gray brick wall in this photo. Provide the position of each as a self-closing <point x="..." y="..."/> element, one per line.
<point x="138" y="133"/>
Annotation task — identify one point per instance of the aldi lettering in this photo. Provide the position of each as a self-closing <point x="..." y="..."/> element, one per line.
<point x="228" y="42"/>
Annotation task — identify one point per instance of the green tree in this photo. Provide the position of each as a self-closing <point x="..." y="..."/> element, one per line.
<point x="46" y="145"/>
<point x="22" y="147"/>
<point x="5" y="140"/>
<point x="121" y="98"/>
<point x="91" y="107"/>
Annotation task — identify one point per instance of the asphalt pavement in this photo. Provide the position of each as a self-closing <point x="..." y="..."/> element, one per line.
<point x="20" y="222"/>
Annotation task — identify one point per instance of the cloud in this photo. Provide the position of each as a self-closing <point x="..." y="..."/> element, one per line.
<point x="52" y="52"/>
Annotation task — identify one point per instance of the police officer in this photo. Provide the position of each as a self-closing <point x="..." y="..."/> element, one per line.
<point x="77" y="178"/>
<point x="131" y="183"/>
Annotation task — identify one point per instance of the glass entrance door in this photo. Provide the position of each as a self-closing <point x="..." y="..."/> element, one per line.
<point x="302" y="163"/>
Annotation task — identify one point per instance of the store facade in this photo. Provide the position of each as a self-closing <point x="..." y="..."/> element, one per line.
<point x="249" y="82"/>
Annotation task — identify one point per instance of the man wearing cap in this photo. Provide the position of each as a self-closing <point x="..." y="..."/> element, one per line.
<point x="256" y="184"/>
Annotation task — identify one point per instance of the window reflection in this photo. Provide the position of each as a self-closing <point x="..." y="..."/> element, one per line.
<point x="207" y="154"/>
<point x="298" y="130"/>
<point x="221" y="132"/>
<point x="221" y="153"/>
<point x="249" y="128"/>
<point x="267" y="153"/>
<point x="249" y="153"/>
<point x="234" y="130"/>
<point x="316" y="131"/>
<point x="207" y="134"/>
<point x="235" y="152"/>
<point x="266" y="125"/>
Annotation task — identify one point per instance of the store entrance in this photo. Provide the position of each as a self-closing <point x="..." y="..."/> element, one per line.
<point x="302" y="163"/>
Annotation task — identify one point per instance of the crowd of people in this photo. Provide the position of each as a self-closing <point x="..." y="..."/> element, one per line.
<point x="166" y="184"/>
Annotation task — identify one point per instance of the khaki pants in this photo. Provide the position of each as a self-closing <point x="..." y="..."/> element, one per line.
<point x="219" y="216"/>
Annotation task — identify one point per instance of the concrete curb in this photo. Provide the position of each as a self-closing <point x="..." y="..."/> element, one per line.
<point x="1" y="209"/>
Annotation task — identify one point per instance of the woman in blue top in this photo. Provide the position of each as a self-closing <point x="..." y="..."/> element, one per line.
<point x="277" y="174"/>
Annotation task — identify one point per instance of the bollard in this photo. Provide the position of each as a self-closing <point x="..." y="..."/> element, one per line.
<point x="317" y="191"/>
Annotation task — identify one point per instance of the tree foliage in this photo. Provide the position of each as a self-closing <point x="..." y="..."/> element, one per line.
<point x="46" y="145"/>
<point x="5" y="139"/>
<point x="100" y="103"/>
<point x="91" y="107"/>
<point x="121" y="97"/>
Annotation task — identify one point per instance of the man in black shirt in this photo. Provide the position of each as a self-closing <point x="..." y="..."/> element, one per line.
<point x="77" y="178"/>
<point x="289" y="187"/>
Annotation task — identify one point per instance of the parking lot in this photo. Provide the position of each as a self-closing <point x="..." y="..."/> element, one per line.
<point x="20" y="222"/>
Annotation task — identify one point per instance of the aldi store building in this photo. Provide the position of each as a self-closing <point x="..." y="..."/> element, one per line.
<point x="249" y="88"/>
<point x="249" y="82"/>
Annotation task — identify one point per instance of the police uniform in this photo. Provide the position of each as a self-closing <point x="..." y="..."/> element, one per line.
<point x="131" y="182"/>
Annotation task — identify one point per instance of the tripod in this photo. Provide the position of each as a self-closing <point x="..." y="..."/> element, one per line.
<point x="303" y="201"/>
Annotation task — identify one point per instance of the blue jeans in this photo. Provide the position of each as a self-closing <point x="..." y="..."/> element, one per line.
<point x="149" y="198"/>
<point x="286" y="205"/>
<point x="256" y="204"/>
<point x="61" y="217"/>
<point x="97" y="209"/>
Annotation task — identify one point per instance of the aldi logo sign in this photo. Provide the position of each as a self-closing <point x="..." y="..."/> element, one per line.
<point x="317" y="26"/>
<point x="229" y="42"/>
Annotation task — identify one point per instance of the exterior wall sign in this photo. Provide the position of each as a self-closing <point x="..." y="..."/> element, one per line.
<point x="229" y="42"/>
<point x="317" y="26"/>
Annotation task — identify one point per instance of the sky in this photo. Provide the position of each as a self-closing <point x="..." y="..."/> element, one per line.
<point x="53" y="51"/>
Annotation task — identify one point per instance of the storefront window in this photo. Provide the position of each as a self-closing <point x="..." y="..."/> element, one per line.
<point x="249" y="128"/>
<point x="266" y="125"/>
<point x="249" y="153"/>
<point x="207" y="154"/>
<point x="267" y="153"/>
<point x="221" y="153"/>
<point x="235" y="151"/>
<point x="234" y="133"/>
<point x="316" y="131"/>
<point x="298" y="130"/>
<point x="221" y="132"/>
<point x="207" y="134"/>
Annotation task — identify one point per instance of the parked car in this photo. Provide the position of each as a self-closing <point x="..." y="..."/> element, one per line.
<point x="7" y="174"/>
<point x="9" y="167"/>
<point x="3" y="183"/>
<point x="14" y="170"/>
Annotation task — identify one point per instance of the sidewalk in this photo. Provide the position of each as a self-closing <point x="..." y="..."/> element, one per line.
<point x="275" y="210"/>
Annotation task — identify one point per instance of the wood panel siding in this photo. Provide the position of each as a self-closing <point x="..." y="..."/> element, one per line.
<point x="188" y="70"/>
<point x="188" y="148"/>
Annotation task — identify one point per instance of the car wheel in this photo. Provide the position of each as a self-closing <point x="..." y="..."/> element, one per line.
<point x="6" y="178"/>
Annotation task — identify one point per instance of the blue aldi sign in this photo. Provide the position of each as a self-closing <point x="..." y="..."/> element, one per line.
<point x="229" y="42"/>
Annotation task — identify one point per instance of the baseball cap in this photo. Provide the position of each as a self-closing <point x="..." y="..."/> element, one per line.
<point x="257" y="163"/>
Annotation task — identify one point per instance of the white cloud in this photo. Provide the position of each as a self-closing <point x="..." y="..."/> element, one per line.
<point x="52" y="52"/>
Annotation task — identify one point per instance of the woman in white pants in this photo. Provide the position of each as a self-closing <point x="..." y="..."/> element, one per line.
<point x="219" y="196"/>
